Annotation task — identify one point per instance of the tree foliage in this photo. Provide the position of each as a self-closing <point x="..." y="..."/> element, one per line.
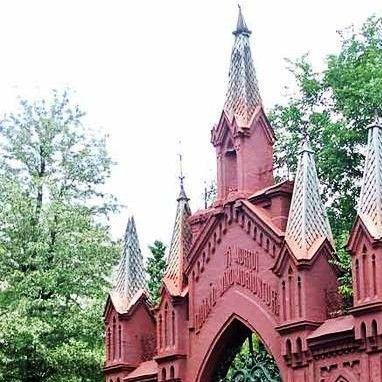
<point x="55" y="247"/>
<point x="156" y="267"/>
<point x="333" y="107"/>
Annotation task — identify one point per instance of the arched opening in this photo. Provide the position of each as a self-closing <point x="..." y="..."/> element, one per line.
<point x="173" y="335"/>
<point x="240" y="355"/>
<point x="172" y="372"/>
<point x="166" y="341"/>
<point x="160" y="335"/>
<point x="374" y="333"/>
<point x="119" y="342"/>
<point x="164" y="377"/>
<point x="230" y="168"/>
<point x="114" y="338"/>
<point x="108" y="346"/>
<point x="288" y="351"/>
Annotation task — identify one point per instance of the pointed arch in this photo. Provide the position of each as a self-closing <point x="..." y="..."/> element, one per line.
<point x="218" y="334"/>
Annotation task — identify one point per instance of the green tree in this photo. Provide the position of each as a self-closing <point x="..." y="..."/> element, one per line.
<point x="55" y="247"/>
<point x="333" y="107"/>
<point x="156" y="266"/>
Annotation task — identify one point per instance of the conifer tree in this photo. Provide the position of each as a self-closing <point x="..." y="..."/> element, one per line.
<point x="156" y="267"/>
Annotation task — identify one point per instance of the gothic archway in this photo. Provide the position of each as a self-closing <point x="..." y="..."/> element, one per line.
<point x="239" y="355"/>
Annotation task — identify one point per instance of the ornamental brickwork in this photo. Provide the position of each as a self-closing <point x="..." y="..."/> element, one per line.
<point x="258" y="260"/>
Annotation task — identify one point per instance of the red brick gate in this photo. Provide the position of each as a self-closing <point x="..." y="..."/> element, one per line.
<point x="258" y="260"/>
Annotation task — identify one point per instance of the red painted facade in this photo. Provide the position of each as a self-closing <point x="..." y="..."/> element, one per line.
<point x="241" y="275"/>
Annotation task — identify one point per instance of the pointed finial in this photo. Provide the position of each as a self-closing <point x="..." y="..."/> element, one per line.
<point x="305" y="144"/>
<point x="376" y="122"/>
<point x="181" y="176"/>
<point x="182" y="193"/>
<point x="241" y="27"/>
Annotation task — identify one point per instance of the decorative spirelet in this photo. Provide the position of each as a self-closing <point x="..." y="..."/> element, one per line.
<point x="370" y="201"/>
<point x="308" y="221"/>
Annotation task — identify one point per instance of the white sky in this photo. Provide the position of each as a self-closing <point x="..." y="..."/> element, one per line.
<point x="150" y="73"/>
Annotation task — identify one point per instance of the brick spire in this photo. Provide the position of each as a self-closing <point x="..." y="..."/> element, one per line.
<point x="242" y="96"/>
<point x="130" y="275"/>
<point x="370" y="201"/>
<point x="308" y="224"/>
<point x="180" y="244"/>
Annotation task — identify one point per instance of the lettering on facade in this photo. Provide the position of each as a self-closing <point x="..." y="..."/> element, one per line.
<point x="242" y="269"/>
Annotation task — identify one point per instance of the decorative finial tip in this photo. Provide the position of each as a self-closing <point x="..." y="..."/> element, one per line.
<point x="182" y="194"/>
<point x="241" y="27"/>
<point x="305" y="145"/>
<point x="377" y="121"/>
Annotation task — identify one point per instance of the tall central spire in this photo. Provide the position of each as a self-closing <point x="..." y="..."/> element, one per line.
<point x="242" y="96"/>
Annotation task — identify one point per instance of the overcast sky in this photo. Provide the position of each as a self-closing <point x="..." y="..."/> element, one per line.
<point x="151" y="73"/>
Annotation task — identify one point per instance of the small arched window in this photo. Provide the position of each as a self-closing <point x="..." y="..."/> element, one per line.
<point x="172" y="372"/>
<point x="374" y="330"/>
<point x="160" y="334"/>
<point x="299" y="345"/>
<point x="114" y="338"/>
<point x="173" y="327"/>
<point x="164" y="377"/>
<point x="119" y="341"/>
<point x="357" y="279"/>
<point x="108" y="346"/>
<point x="166" y="341"/>
<point x="363" y="331"/>
<point x="288" y="349"/>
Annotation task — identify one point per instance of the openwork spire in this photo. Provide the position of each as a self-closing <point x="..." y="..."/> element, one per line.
<point x="130" y="277"/>
<point x="308" y="223"/>
<point x="180" y="243"/>
<point x="370" y="201"/>
<point x="242" y="95"/>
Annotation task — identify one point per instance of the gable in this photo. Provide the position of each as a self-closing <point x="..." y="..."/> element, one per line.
<point x="286" y="258"/>
<point x="239" y="254"/>
<point x="260" y="123"/>
<point x="223" y="129"/>
<point x="252" y="220"/>
<point x="359" y="235"/>
<point x="108" y="310"/>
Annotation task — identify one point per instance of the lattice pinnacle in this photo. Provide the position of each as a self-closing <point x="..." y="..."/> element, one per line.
<point x="308" y="221"/>
<point x="370" y="201"/>
<point x="180" y="243"/>
<point x="130" y="277"/>
<point x="242" y="95"/>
